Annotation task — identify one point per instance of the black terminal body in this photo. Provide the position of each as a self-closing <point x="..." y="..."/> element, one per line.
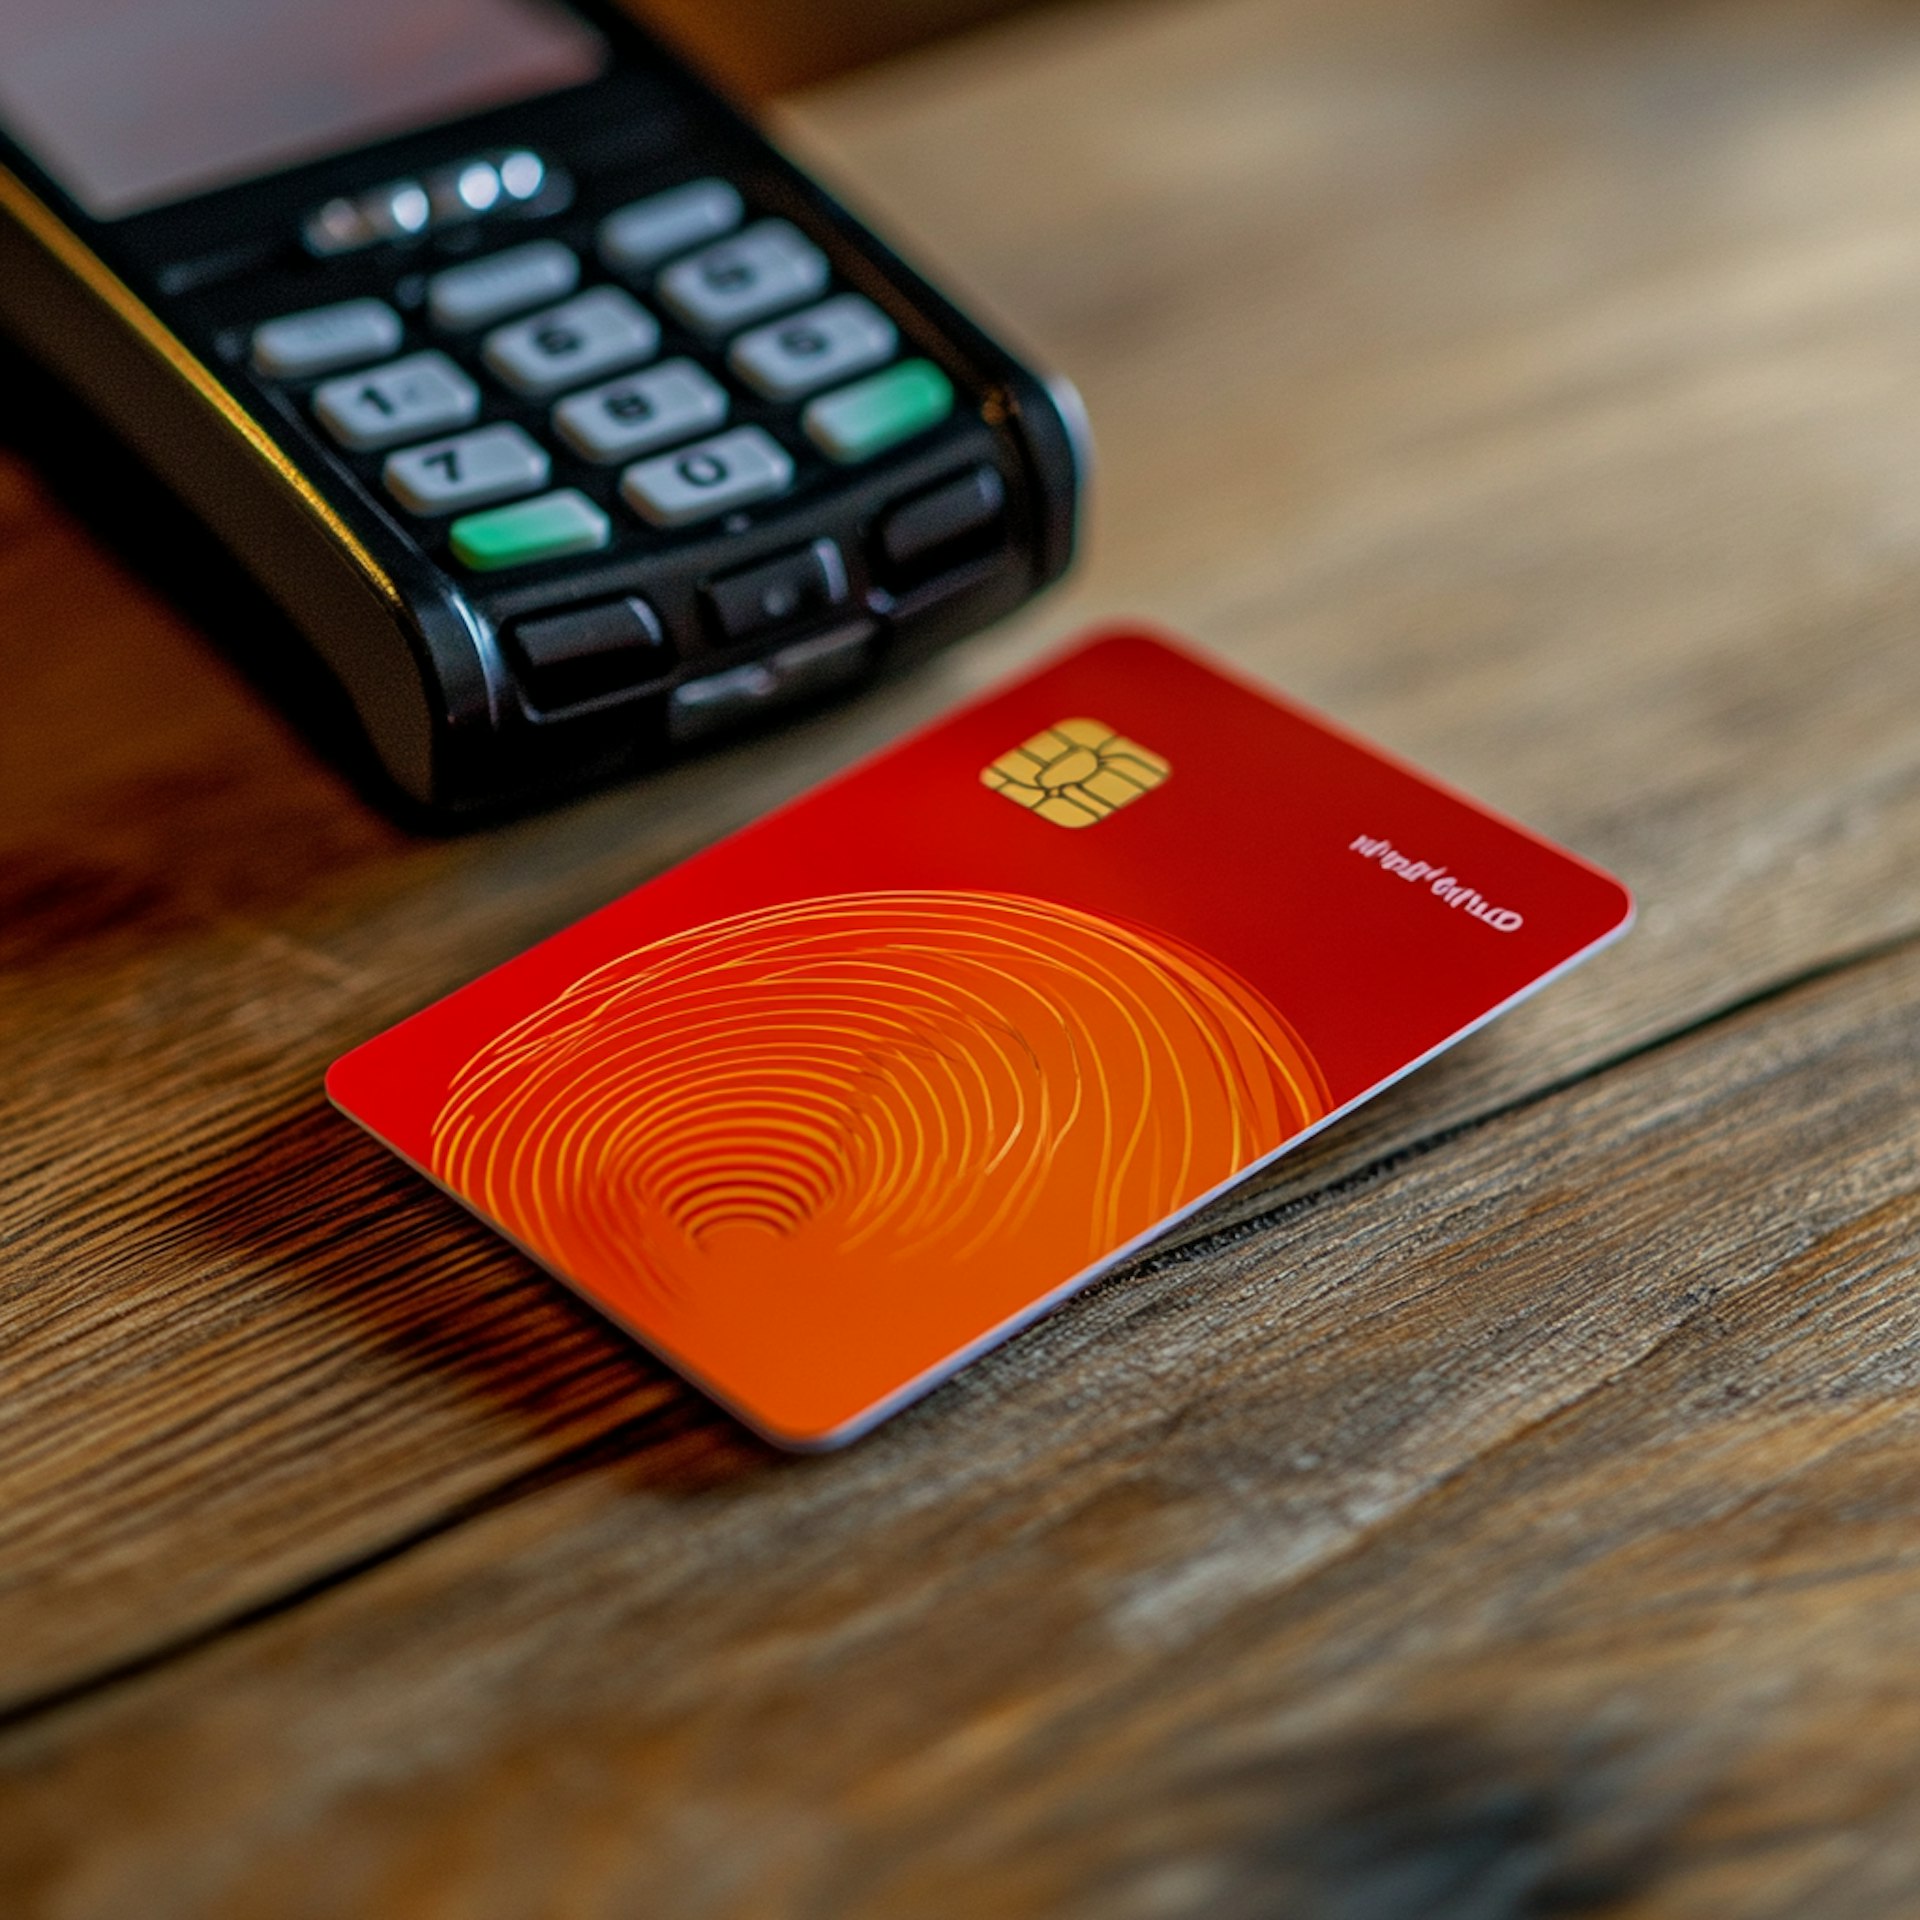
<point x="936" y="493"/>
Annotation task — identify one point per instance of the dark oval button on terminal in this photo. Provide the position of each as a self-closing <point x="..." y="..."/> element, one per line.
<point x="945" y="524"/>
<point x="565" y="658"/>
<point x="798" y="586"/>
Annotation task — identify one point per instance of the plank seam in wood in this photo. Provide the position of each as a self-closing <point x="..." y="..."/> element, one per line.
<point x="1223" y="1238"/>
<point x="657" y="1423"/>
<point x="684" y="1413"/>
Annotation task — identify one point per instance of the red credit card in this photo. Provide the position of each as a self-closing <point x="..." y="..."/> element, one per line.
<point x="845" y="1100"/>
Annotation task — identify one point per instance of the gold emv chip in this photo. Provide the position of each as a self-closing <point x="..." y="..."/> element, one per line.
<point x="1076" y="773"/>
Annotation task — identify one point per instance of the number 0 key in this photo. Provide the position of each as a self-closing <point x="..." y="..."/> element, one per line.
<point x="709" y="477"/>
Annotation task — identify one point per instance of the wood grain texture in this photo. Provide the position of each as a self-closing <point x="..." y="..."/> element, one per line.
<point x="1533" y="1529"/>
<point x="1534" y="388"/>
<point x="760" y="47"/>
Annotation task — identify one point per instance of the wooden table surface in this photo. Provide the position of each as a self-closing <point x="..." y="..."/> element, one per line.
<point x="1509" y="1507"/>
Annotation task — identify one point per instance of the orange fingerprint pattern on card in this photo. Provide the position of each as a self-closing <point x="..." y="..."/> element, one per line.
<point x="935" y="1104"/>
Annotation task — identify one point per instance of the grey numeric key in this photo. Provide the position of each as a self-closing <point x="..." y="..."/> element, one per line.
<point x="478" y="291"/>
<point x="467" y="470"/>
<point x="756" y="273"/>
<point x="582" y="338"/>
<point x="646" y="232"/>
<point x="424" y="393"/>
<point x="833" y="341"/>
<point x="641" y="411"/>
<point x="325" y="338"/>
<point x="709" y="477"/>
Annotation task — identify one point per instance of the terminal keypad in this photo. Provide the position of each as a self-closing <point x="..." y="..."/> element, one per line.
<point x="761" y="329"/>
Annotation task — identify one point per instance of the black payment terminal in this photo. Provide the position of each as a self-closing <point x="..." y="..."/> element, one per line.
<point x="571" y="423"/>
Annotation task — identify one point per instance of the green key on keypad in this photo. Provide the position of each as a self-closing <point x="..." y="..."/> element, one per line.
<point x="542" y="529"/>
<point x="880" y="411"/>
